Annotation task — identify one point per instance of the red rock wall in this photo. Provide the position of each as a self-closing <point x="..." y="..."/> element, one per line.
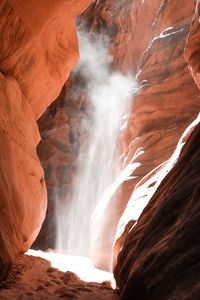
<point x="40" y="42"/>
<point x="160" y="257"/>
<point x="160" y="254"/>
<point x="168" y="100"/>
<point x="38" y="49"/>
<point x="22" y="188"/>
<point x="142" y="43"/>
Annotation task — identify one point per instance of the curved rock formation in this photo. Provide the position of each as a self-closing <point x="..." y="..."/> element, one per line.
<point x="160" y="257"/>
<point x="40" y="46"/>
<point x="22" y="190"/>
<point x="147" y="38"/>
<point x="167" y="102"/>
<point x="38" y="49"/>
<point x="159" y="253"/>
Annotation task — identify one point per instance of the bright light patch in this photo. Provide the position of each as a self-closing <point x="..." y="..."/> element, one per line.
<point x="82" y="266"/>
<point x="97" y="164"/>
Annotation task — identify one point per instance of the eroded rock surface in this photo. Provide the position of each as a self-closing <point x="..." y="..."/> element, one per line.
<point x="147" y="39"/>
<point x="166" y="104"/>
<point x="159" y="259"/>
<point x="23" y="190"/>
<point x="38" y="49"/>
<point x="40" y="46"/>
<point x="170" y="99"/>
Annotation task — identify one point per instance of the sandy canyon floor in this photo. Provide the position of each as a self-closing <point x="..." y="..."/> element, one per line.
<point x="33" y="278"/>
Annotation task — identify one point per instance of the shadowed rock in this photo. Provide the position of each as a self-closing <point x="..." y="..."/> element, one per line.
<point x="160" y="257"/>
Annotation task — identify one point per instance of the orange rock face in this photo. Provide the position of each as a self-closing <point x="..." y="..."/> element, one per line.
<point x="159" y="256"/>
<point x="22" y="189"/>
<point x="147" y="39"/>
<point x="159" y="259"/>
<point x="40" y="46"/>
<point x="169" y="100"/>
<point x="38" y="49"/>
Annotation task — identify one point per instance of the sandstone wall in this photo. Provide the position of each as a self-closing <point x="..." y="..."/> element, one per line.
<point x="159" y="258"/>
<point x="38" y="49"/>
<point x="148" y="39"/>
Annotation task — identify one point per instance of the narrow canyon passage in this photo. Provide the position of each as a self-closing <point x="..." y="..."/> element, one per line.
<point x="110" y="95"/>
<point x="99" y="149"/>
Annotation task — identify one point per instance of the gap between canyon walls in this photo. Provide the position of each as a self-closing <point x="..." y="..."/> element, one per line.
<point x="151" y="47"/>
<point x="108" y="103"/>
<point x="159" y="251"/>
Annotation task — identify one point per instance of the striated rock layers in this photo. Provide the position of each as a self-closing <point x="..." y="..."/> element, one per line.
<point x="160" y="257"/>
<point x="147" y="39"/>
<point x="38" y="49"/>
<point x="167" y="102"/>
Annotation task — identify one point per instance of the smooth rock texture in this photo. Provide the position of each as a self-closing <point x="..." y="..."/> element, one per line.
<point x="22" y="189"/>
<point x="40" y="46"/>
<point x="147" y="39"/>
<point x="38" y="49"/>
<point x="165" y="106"/>
<point x="160" y="256"/>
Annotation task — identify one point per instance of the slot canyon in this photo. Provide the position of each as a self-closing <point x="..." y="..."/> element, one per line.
<point x="99" y="156"/>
